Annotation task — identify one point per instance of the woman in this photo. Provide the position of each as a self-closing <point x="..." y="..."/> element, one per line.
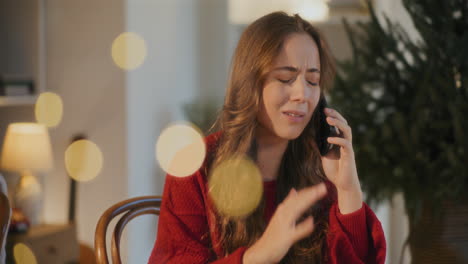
<point x="312" y="209"/>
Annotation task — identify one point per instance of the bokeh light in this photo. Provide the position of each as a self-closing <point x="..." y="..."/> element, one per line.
<point x="49" y="109"/>
<point x="23" y="254"/>
<point x="180" y="150"/>
<point x="129" y="50"/>
<point x="83" y="160"/>
<point x="236" y="187"/>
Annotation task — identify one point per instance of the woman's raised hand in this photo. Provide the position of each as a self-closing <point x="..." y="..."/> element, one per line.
<point x="340" y="166"/>
<point x="283" y="230"/>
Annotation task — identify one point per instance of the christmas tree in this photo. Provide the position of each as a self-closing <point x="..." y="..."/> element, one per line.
<point x="407" y="102"/>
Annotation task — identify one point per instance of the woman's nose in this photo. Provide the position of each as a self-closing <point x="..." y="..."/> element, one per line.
<point x="299" y="90"/>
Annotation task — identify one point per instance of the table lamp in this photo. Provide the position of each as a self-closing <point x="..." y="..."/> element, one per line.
<point x="27" y="150"/>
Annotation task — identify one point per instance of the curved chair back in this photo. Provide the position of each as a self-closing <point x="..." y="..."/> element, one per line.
<point x="130" y="209"/>
<point x="5" y="215"/>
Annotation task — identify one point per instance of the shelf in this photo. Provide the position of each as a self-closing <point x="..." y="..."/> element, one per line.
<point x="17" y="100"/>
<point x="23" y="47"/>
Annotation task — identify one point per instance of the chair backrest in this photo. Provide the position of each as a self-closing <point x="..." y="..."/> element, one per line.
<point x="130" y="209"/>
<point x="5" y="215"/>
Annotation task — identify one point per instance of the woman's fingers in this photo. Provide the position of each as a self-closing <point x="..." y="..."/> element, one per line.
<point x="346" y="144"/>
<point x="335" y="114"/>
<point x="309" y="196"/>
<point x="297" y="203"/>
<point x="284" y="230"/>
<point x="292" y="192"/>
<point x="342" y="126"/>
<point x="334" y="118"/>
<point x="303" y="229"/>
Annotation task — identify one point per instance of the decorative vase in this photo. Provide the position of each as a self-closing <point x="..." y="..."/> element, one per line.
<point x="28" y="197"/>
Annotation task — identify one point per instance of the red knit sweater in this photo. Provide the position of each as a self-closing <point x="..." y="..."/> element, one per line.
<point x="187" y="228"/>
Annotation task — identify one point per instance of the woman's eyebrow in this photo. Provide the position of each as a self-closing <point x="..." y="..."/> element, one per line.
<point x="294" y="69"/>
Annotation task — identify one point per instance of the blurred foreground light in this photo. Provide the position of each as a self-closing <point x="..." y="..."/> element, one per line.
<point x="83" y="160"/>
<point x="236" y="187"/>
<point x="23" y="254"/>
<point x="180" y="150"/>
<point x="129" y="51"/>
<point x="49" y="109"/>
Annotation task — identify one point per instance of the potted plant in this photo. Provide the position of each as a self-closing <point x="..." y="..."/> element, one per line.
<point x="407" y="103"/>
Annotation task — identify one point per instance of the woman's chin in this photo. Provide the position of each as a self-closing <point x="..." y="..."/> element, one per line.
<point x="290" y="134"/>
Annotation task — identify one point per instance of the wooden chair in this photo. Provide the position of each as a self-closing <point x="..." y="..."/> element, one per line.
<point x="5" y="215"/>
<point x="130" y="209"/>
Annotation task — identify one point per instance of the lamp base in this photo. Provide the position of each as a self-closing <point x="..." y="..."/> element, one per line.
<point x="28" y="197"/>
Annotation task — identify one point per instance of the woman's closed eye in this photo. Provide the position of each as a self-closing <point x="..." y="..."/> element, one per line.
<point x="290" y="80"/>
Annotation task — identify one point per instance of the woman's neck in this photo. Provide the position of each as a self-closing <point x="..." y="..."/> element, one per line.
<point x="270" y="150"/>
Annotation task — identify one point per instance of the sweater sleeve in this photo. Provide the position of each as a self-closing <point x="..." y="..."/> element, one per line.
<point x="356" y="237"/>
<point x="183" y="232"/>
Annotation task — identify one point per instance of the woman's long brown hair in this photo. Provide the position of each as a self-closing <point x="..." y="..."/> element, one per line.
<point x="259" y="45"/>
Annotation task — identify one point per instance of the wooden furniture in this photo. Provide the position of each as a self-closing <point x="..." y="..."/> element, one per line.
<point x="5" y="214"/>
<point x="130" y="209"/>
<point x="49" y="243"/>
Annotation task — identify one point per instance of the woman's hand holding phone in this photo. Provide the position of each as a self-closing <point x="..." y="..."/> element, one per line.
<point x="339" y="165"/>
<point x="283" y="230"/>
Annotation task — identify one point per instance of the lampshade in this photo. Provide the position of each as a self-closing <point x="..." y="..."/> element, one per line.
<point x="246" y="11"/>
<point x="26" y="147"/>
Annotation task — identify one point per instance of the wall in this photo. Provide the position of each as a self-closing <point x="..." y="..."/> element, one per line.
<point x="155" y="94"/>
<point x="80" y="69"/>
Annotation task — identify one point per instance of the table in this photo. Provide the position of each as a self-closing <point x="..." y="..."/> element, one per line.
<point x="51" y="244"/>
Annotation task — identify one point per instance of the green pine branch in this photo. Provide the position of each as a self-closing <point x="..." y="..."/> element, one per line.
<point x="407" y="102"/>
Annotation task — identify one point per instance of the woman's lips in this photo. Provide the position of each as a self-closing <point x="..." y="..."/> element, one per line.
<point x="294" y="116"/>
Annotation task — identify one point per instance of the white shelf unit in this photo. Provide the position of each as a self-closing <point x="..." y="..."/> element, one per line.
<point x="17" y="100"/>
<point x="23" y="46"/>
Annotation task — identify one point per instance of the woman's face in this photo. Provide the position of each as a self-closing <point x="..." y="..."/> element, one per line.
<point x="291" y="90"/>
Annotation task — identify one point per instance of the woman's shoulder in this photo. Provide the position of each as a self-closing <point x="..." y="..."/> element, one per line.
<point x="212" y="141"/>
<point x="194" y="185"/>
<point x="200" y="175"/>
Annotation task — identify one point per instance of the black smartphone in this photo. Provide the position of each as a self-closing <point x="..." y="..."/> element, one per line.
<point x="325" y="130"/>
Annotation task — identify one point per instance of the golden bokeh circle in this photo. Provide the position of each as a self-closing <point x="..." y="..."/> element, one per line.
<point x="23" y="254"/>
<point x="180" y="150"/>
<point x="129" y="51"/>
<point x="236" y="187"/>
<point x="49" y="109"/>
<point x="83" y="160"/>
